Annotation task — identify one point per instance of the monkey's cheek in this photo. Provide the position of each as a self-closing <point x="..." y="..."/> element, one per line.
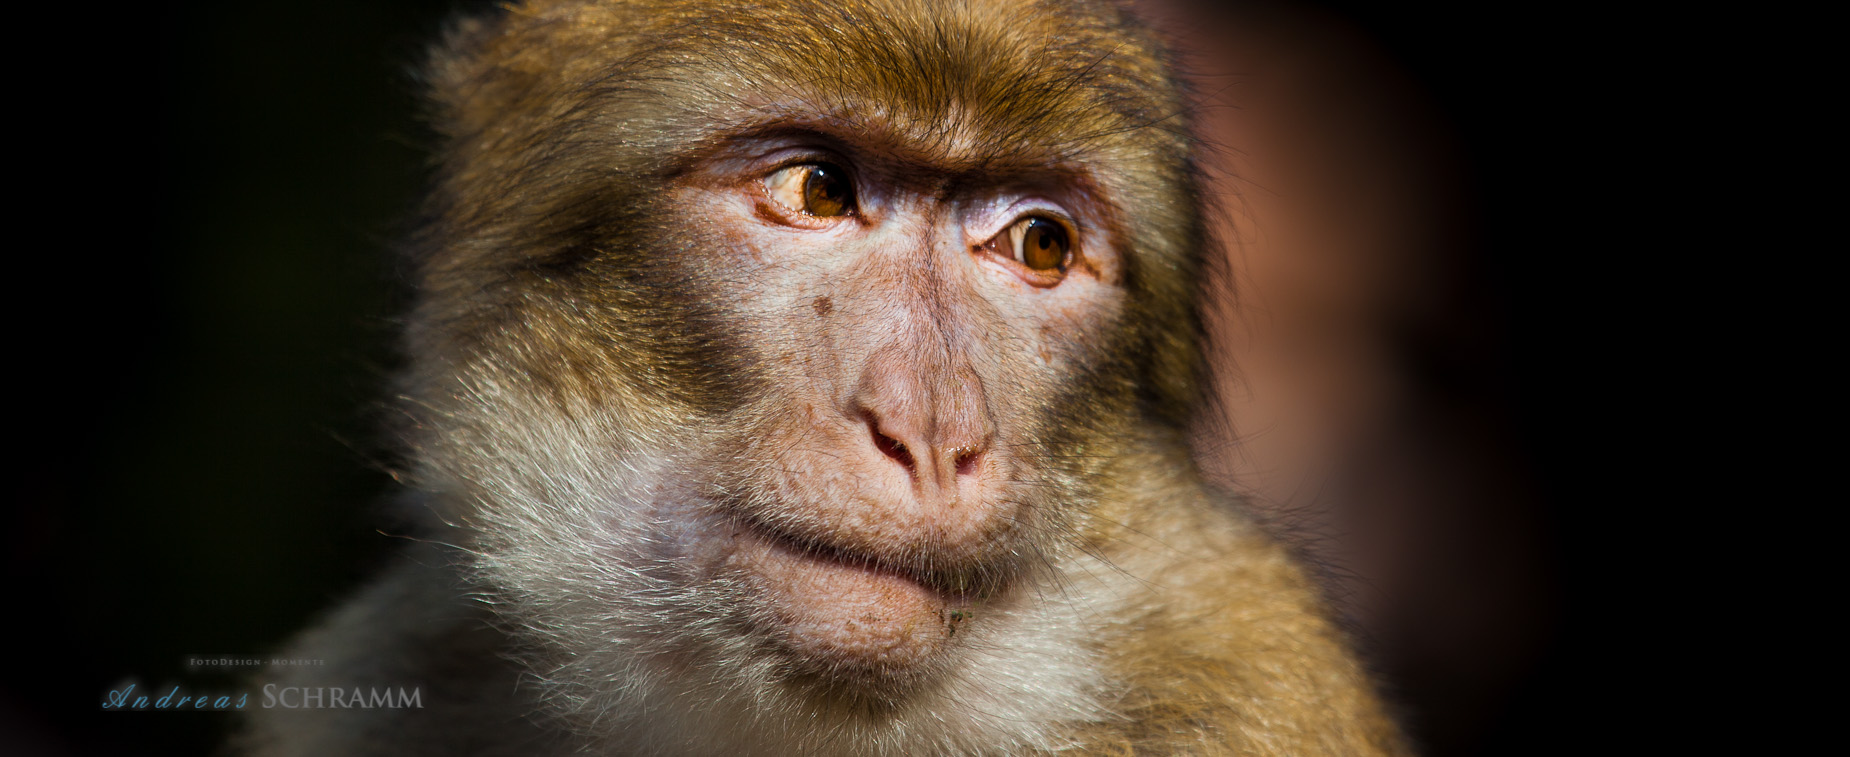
<point x="839" y="616"/>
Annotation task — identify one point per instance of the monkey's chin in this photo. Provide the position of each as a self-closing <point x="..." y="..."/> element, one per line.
<point x="841" y="618"/>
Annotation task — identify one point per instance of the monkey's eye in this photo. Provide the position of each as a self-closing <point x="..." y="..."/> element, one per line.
<point x="1040" y="244"/>
<point x="818" y="189"/>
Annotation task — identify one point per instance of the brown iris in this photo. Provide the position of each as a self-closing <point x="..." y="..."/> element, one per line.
<point x="1040" y="244"/>
<point x="826" y="192"/>
<point x="817" y="189"/>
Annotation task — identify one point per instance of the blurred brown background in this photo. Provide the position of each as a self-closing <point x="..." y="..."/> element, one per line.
<point x="1359" y="340"/>
<point x="1401" y="374"/>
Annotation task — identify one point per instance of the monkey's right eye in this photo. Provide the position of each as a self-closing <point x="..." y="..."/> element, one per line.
<point x="817" y="189"/>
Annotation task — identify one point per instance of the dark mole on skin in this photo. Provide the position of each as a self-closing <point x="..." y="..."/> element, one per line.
<point x="824" y="305"/>
<point x="951" y="618"/>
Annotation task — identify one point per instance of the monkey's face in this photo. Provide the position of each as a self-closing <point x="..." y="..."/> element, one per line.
<point x="806" y="336"/>
<point x="919" y="337"/>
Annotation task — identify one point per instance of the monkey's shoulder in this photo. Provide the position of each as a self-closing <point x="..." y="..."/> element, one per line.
<point x="1222" y="645"/>
<point x="412" y="664"/>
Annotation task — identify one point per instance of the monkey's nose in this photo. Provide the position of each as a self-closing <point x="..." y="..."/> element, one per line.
<point x="961" y="461"/>
<point x="933" y="423"/>
<point x="938" y="470"/>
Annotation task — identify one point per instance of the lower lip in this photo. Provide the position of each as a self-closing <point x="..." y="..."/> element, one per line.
<point x="839" y="614"/>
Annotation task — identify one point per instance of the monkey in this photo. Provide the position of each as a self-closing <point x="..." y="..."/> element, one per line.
<point x="804" y="377"/>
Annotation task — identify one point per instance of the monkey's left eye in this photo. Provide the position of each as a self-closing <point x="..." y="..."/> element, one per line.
<point x="817" y="189"/>
<point x="1041" y="244"/>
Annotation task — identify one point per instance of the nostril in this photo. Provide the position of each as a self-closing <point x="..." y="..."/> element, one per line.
<point x="891" y="447"/>
<point x="966" y="461"/>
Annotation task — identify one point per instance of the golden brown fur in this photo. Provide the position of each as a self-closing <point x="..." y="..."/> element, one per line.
<point x="610" y="382"/>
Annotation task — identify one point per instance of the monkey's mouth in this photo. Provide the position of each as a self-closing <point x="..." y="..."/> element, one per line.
<point x="962" y="581"/>
<point x="843" y="611"/>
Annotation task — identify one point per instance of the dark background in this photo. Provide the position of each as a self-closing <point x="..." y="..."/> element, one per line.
<point x="207" y="316"/>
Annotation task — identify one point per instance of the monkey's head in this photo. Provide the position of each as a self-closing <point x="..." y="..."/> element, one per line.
<point x="780" y="348"/>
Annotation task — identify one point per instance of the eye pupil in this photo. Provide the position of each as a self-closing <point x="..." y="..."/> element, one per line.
<point x="826" y="192"/>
